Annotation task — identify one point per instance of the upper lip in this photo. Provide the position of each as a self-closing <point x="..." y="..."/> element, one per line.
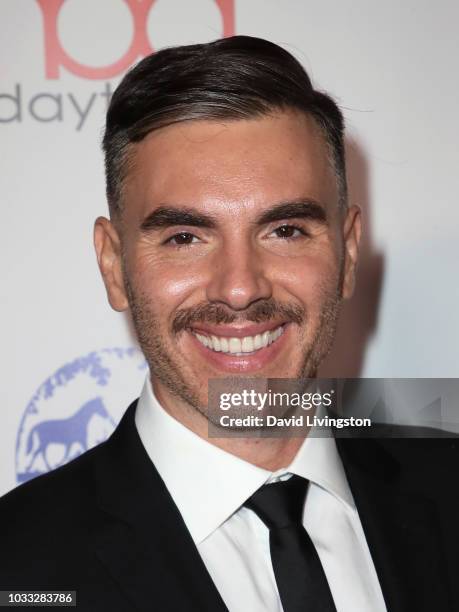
<point x="232" y="331"/>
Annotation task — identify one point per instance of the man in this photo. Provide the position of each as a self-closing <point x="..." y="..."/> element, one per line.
<point x="232" y="244"/>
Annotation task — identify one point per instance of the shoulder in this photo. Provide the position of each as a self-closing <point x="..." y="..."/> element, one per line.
<point x="430" y="463"/>
<point x="414" y="445"/>
<point x="407" y="445"/>
<point x="67" y="487"/>
<point x="68" y="492"/>
<point x="422" y="460"/>
<point x="44" y="519"/>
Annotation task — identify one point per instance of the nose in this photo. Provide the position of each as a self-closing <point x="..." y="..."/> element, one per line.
<point x="238" y="278"/>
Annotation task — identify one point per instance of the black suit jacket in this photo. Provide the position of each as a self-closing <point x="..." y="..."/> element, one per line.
<point x="105" y="526"/>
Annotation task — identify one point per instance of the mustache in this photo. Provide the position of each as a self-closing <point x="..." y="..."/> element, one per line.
<point x="258" y="312"/>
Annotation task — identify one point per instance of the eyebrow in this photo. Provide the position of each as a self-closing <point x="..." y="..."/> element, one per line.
<point x="166" y="216"/>
<point x="298" y="209"/>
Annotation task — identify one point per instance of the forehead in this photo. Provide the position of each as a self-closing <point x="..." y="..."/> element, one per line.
<point x="241" y="165"/>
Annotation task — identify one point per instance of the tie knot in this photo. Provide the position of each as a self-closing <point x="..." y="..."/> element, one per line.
<point x="280" y="504"/>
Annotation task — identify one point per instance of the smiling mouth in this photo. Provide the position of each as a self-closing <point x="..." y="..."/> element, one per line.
<point x="240" y="346"/>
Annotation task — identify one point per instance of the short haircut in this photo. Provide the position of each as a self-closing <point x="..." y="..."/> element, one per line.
<point x="240" y="77"/>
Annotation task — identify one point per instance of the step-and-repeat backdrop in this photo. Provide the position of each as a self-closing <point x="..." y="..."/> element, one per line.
<point x="69" y="365"/>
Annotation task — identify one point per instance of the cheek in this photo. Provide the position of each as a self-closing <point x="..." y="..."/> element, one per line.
<point x="308" y="278"/>
<point x="167" y="285"/>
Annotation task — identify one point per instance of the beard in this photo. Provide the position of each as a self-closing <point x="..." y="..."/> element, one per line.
<point x="172" y="374"/>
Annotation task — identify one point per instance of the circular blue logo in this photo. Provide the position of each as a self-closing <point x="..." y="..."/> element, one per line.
<point x="76" y="408"/>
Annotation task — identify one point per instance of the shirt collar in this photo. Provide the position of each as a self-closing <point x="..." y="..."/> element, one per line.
<point x="209" y="484"/>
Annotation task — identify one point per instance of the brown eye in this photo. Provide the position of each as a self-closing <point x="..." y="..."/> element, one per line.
<point x="182" y="238"/>
<point x="287" y="231"/>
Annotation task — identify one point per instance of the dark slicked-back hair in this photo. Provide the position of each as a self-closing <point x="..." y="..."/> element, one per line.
<point x="240" y="77"/>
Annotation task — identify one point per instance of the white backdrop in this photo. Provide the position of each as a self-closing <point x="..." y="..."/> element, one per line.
<point x="392" y="66"/>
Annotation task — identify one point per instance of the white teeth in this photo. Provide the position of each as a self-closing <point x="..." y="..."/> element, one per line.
<point x="248" y="344"/>
<point x="202" y="339"/>
<point x="235" y="345"/>
<point x="216" y="344"/>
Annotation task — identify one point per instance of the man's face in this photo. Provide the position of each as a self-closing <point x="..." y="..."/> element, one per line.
<point x="231" y="252"/>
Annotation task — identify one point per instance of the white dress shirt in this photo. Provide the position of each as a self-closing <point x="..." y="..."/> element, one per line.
<point x="209" y="486"/>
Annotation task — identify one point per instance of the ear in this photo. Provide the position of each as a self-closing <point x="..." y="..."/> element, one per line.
<point x="352" y="232"/>
<point x="108" y="249"/>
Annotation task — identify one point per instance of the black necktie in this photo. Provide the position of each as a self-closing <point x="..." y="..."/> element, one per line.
<point x="300" y="578"/>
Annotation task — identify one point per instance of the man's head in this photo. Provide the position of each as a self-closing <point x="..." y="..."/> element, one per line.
<point x="230" y="237"/>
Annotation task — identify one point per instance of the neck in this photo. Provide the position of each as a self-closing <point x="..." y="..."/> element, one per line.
<point x="268" y="453"/>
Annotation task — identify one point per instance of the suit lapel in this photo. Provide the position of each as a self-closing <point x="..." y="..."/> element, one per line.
<point x="400" y="529"/>
<point x="140" y="537"/>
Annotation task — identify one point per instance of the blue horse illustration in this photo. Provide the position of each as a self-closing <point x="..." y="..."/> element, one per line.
<point x="64" y="431"/>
